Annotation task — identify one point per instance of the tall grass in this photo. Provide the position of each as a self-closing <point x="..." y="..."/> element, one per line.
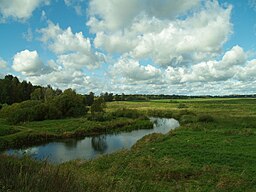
<point x="27" y="175"/>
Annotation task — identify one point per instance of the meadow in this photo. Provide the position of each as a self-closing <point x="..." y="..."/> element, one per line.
<point x="212" y="150"/>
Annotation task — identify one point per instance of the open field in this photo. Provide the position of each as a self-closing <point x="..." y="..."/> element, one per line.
<point x="213" y="150"/>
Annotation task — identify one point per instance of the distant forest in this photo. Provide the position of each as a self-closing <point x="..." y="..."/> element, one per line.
<point x="14" y="91"/>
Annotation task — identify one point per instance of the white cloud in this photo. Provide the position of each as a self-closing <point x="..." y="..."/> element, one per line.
<point x="3" y="64"/>
<point x="181" y="40"/>
<point x="63" y="41"/>
<point x="115" y="43"/>
<point x="228" y="75"/>
<point x="29" y="63"/>
<point x="18" y="9"/>
<point x="77" y="5"/>
<point x="28" y="35"/>
<point x="118" y="14"/>
<point x="194" y="39"/>
<point x="63" y="79"/>
<point x="236" y="56"/>
<point x="248" y="72"/>
<point x="184" y="46"/>
<point x="166" y="39"/>
<point x="131" y="71"/>
<point x="72" y="49"/>
<point x="80" y="60"/>
<point x="212" y="70"/>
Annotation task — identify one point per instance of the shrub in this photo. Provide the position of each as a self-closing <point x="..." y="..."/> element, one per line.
<point x="140" y="124"/>
<point x="100" y="116"/>
<point x="181" y="106"/>
<point x="187" y="119"/>
<point x="160" y="113"/>
<point x="205" y="118"/>
<point x="129" y="113"/>
<point x="98" y="106"/>
<point x="21" y="115"/>
<point x="68" y="104"/>
<point x="22" y="112"/>
<point x="8" y="110"/>
<point x="53" y="112"/>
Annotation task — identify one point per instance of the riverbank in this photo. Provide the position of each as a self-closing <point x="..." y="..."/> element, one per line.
<point x="32" y="133"/>
<point x="213" y="150"/>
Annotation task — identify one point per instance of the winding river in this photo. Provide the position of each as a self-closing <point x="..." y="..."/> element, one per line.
<point x="91" y="147"/>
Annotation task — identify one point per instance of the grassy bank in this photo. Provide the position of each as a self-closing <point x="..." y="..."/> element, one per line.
<point x="213" y="150"/>
<point x="27" y="134"/>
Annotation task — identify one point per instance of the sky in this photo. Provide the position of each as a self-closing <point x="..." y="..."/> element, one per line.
<point x="196" y="47"/>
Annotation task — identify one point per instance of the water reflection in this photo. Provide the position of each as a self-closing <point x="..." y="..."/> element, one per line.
<point x="91" y="147"/>
<point x="99" y="143"/>
<point x="70" y="143"/>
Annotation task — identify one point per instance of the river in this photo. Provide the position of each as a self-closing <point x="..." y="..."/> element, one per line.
<point x="92" y="147"/>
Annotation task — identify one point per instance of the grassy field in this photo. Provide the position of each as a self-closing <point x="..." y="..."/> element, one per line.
<point x="213" y="150"/>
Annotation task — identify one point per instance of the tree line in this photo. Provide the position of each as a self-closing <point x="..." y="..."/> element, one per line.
<point x="14" y="91"/>
<point x="21" y="102"/>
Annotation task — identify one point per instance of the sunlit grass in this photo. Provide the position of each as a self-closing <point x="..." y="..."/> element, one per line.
<point x="213" y="150"/>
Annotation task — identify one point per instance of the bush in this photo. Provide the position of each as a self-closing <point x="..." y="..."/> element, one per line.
<point x="205" y="118"/>
<point x="98" y="106"/>
<point x="188" y="119"/>
<point x="8" y="110"/>
<point x="129" y="113"/>
<point x="160" y="113"/>
<point x="68" y="104"/>
<point x="100" y="116"/>
<point x="53" y="112"/>
<point x="21" y="115"/>
<point x="181" y="106"/>
<point x="140" y="124"/>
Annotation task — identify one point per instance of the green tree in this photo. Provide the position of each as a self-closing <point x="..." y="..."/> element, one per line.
<point x="37" y="94"/>
<point x="89" y="99"/>
<point x="98" y="106"/>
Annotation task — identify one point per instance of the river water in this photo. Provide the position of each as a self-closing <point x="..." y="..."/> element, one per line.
<point x="91" y="147"/>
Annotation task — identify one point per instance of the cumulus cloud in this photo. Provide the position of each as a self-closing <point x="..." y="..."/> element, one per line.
<point x="63" y="41"/>
<point x="20" y="10"/>
<point x="63" y="79"/>
<point x="131" y="70"/>
<point x="72" y="49"/>
<point x="211" y="70"/>
<point x="77" y="5"/>
<point x="29" y="63"/>
<point x="233" y="73"/>
<point x="3" y="64"/>
<point x="184" y="46"/>
<point x="248" y="72"/>
<point x="162" y="36"/>
<point x="116" y="14"/>
<point x="154" y="47"/>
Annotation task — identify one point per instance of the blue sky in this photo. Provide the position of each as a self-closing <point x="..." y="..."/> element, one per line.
<point x="153" y="47"/>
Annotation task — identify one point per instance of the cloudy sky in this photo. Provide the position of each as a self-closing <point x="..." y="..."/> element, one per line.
<point x="194" y="47"/>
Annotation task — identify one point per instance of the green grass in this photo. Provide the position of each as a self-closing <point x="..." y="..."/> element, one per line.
<point x="27" y="175"/>
<point x="213" y="150"/>
<point x="31" y="133"/>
